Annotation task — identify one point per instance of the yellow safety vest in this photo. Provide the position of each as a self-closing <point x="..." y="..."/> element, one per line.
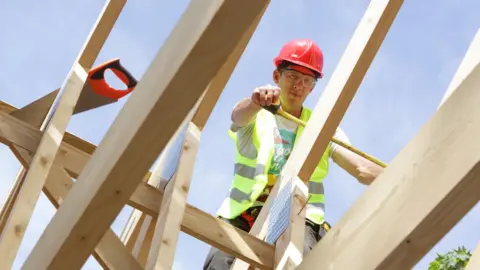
<point x="251" y="174"/>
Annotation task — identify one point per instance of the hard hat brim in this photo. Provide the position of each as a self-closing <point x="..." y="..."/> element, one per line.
<point x="278" y="60"/>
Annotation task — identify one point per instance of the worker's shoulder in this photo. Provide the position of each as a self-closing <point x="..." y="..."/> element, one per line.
<point x="242" y="129"/>
<point x="247" y="129"/>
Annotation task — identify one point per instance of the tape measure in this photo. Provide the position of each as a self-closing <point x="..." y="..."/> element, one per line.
<point x="277" y="109"/>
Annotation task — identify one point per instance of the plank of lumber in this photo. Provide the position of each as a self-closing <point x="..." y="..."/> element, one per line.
<point x="69" y="138"/>
<point x="131" y="231"/>
<point x="215" y="88"/>
<point x="142" y="248"/>
<point x="18" y="132"/>
<point x="220" y="80"/>
<point x="7" y="108"/>
<point x="209" y="229"/>
<point x="159" y="235"/>
<point x="323" y="122"/>
<point x="34" y="114"/>
<point x="227" y="238"/>
<point x="171" y="212"/>
<point x="146" y="123"/>
<point x="138" y="231"/>
<point x="54" y="127"/>
<point x="430" y="185"/>
<point x="148" y="199"/>
<point x="11" y="198"/>
<point x="35" y="177"/>
<point x="289" y="246"/>
<point x="110" y="252"/>
<point x="345" y="80"/>
<point x="469" y="61"/>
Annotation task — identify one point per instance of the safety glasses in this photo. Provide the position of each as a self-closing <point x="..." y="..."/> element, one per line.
<point x="294" y="76"/>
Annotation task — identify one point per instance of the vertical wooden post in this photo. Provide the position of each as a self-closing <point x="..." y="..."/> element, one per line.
<point x="469" y="61"/>
<point x="162" y="251"/>
<point x="34" y="114"/>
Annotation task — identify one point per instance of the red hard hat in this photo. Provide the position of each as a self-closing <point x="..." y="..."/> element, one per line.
<point x="303" y="52"/>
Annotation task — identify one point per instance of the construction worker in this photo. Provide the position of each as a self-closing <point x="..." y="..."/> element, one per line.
<point x="264" y="142"/>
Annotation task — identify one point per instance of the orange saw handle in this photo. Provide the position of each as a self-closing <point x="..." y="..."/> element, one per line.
<point x="96" y="79"/>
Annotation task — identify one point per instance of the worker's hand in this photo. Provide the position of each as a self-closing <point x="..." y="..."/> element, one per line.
<point x="266" y="95"/>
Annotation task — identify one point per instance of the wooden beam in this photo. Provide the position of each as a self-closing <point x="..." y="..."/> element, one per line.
<point x="17" y="132"/>
<point x="139" y="229"/>
<point x="34" y="114"/>
<point x="165" y="243"/>
<point x="345" y="80"/>
<point x="208" y="229"/>
<point x="54" y="127"/>
<point x="215" y="88"/>
<point x="146" y="123"/>
<point x="321" y="127"/>
<point x="148" y="200"/>
<point x="110" y="252"/>
<point x="227" y="238"/>
<point x="69" y="138"/>
<point x="144" y="241"/>
<point x="220" y="80"/>
<point x="131" y="231"/>
<point x="430" y="185"/>
<point x="201" y="116"/>
<point x="470" y="60"/>
<point x="171" y="212"/>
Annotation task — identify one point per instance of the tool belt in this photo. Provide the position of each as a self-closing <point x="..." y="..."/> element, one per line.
<point x="251" y="214"/>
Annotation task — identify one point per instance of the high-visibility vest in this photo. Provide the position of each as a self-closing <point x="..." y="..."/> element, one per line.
<point x="251" y="174"/>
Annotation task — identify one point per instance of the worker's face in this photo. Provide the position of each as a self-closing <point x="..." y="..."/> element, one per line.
<point x="295" y="86"/>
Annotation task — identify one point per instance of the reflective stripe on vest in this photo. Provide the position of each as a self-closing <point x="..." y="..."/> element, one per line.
<point x="250" y="172"/>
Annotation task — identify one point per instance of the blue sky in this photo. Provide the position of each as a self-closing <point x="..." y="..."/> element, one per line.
<point x="402" y="89"/>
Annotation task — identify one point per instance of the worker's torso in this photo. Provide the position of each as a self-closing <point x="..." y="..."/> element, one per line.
<point x="284" y="134"/>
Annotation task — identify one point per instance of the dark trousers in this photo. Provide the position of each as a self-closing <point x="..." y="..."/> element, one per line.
<point x="219" y="260"/>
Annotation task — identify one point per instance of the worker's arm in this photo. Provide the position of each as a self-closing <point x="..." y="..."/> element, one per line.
<point x="245" y="110"/>
<point x="362" y="169"/>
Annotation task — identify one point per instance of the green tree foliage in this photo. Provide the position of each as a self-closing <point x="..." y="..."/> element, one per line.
<point x="456" y="259"/>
